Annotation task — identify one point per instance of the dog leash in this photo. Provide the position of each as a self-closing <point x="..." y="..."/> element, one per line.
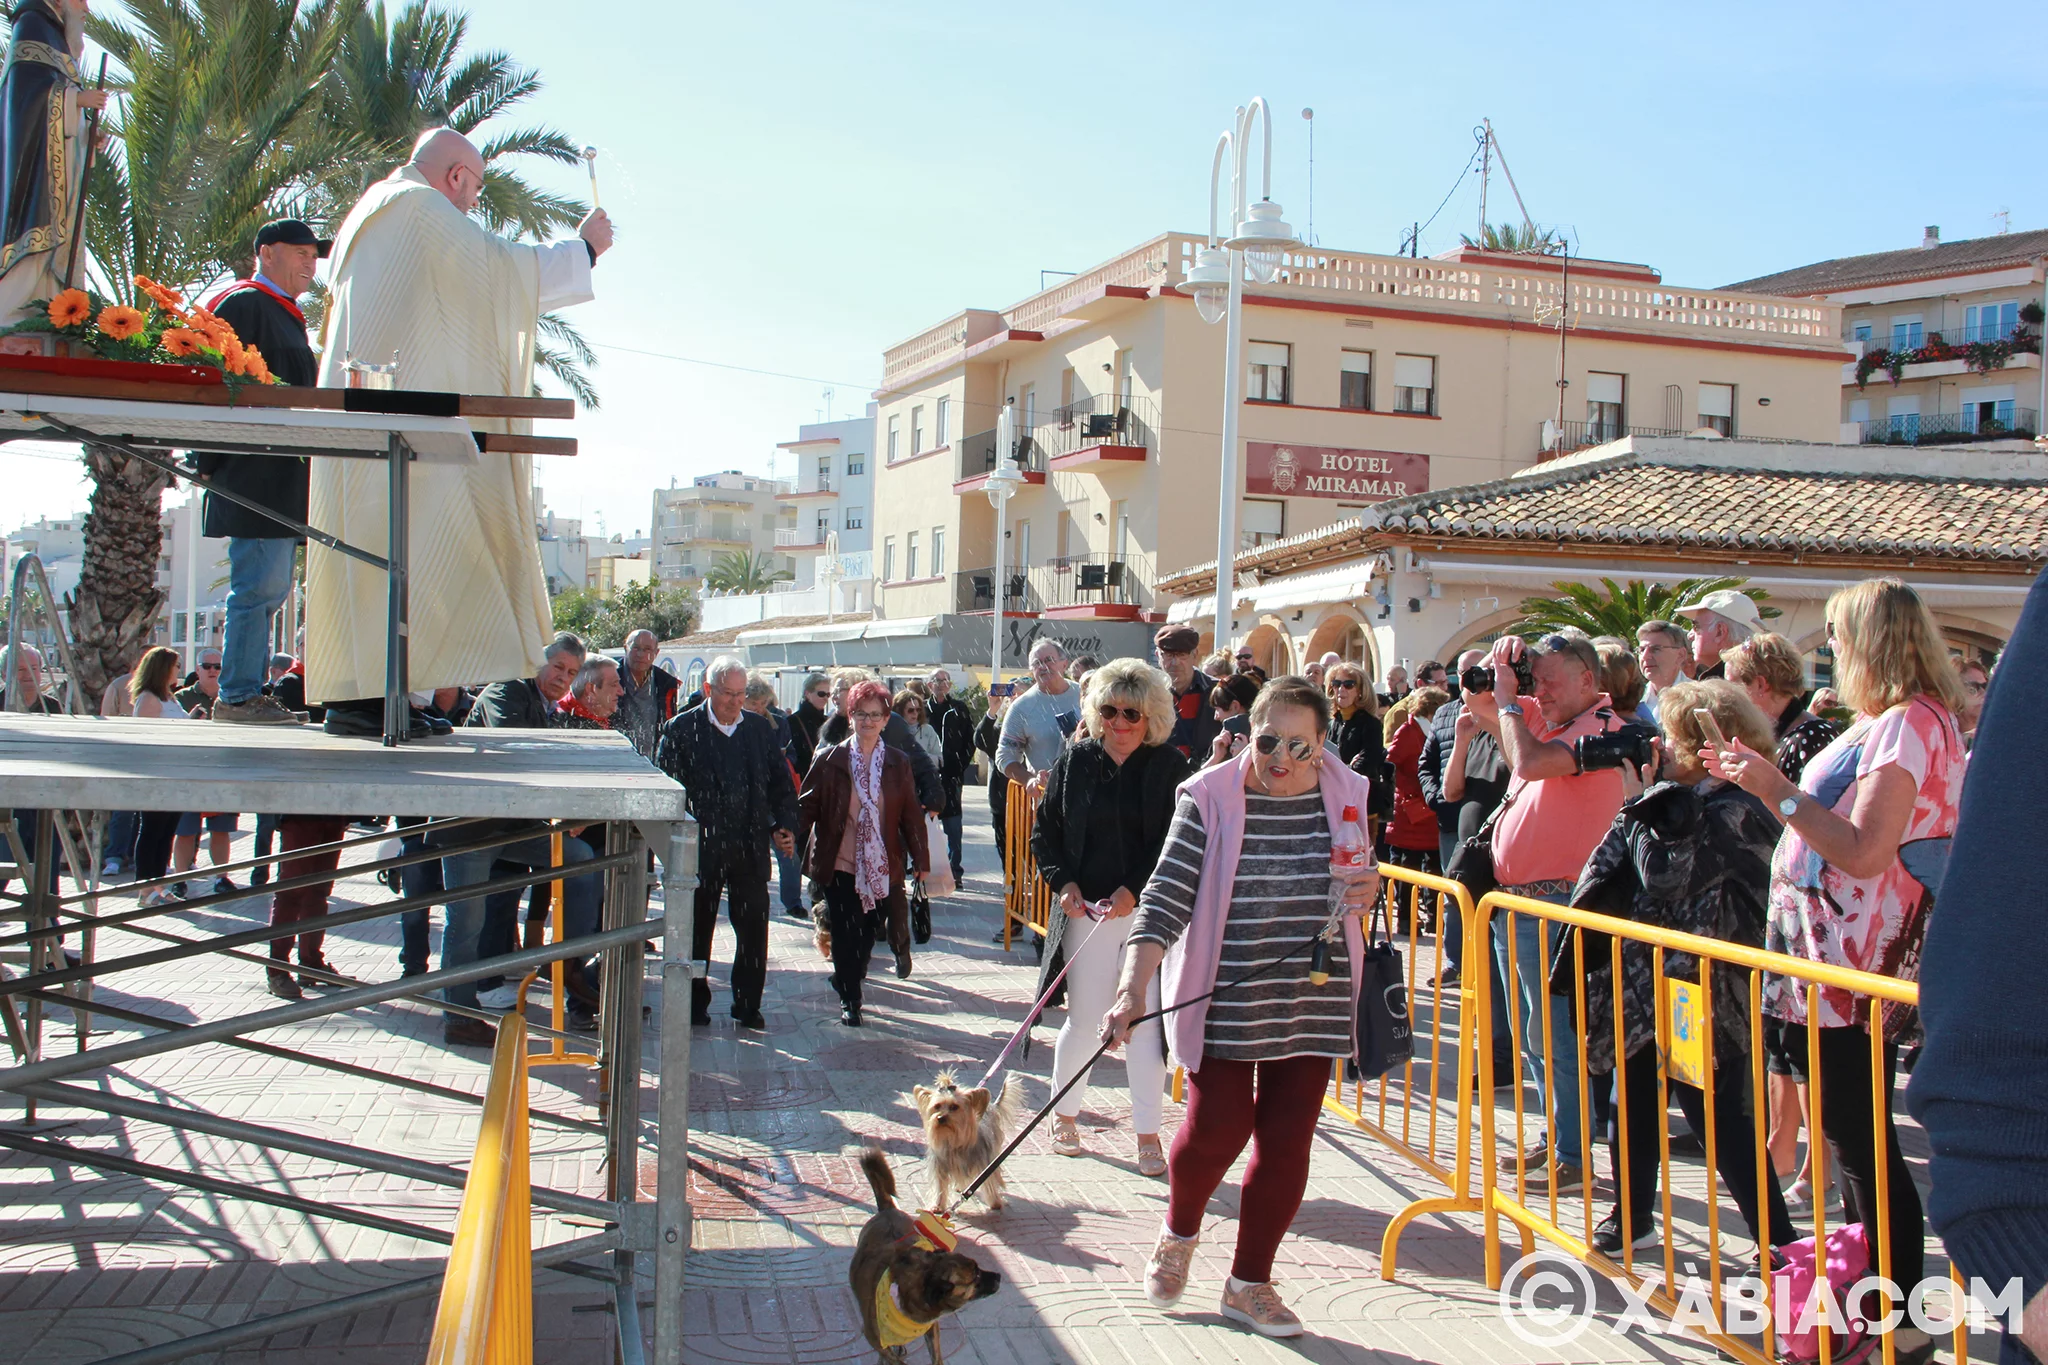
<point x="1320" y="936"/>
<point x="1039" y="1008"/>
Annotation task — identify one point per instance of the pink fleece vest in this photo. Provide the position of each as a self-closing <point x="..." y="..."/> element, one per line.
<point x="1189" y="968"/>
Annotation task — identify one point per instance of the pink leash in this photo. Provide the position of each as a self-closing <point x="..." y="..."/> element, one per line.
<point x="1094" y="918"/>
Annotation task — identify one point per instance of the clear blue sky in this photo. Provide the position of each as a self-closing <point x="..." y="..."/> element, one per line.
<point x="798" y="185"/>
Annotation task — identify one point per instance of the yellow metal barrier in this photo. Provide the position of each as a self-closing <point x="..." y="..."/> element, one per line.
<point x="1027" y="900"/>
<point x="486" y="1311"/>
<point x="1674" y="1059"/>
<point x="557" y="1055"/>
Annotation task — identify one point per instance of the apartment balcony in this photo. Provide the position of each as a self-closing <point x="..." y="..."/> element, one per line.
<point x="823" y="489"/>
<point x="1580" y="435"/>
<point x="1094" y="586"/>
<point x="801" y="538"/>
<point x="1952" y="428"/>
<point x="977" y="460"/>
<point x="1101" y="433"/>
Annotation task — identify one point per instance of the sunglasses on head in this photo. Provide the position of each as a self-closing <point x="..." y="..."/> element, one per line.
<point x="1110" y="712"/>
<point x="1298" y="749"/>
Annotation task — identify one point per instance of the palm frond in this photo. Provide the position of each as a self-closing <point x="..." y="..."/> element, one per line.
<point x="562" y="365"/>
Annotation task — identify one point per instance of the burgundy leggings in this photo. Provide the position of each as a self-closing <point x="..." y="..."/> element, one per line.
<point x="1276" y="1113"/>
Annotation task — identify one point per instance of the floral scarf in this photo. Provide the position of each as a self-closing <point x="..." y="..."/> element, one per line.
<point x="871" y="879"/>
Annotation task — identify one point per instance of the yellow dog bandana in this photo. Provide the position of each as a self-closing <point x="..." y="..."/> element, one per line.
<point x="892" y="1324"/>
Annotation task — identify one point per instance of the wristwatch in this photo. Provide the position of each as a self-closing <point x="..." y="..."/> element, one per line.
<point x="1788" y="807"/>
<point x="1513" y="708"/>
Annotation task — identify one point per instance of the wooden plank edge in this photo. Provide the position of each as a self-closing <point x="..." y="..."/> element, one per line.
<point x="494" y="443"/>
<point x="259" y="396"/>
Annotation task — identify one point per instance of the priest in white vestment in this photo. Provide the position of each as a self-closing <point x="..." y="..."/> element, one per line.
<point x="414" y="277"/>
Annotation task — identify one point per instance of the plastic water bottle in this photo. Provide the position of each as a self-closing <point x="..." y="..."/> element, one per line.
<point x="1348" y="847"/>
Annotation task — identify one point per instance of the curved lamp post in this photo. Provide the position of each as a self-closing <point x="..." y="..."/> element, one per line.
<point x="1260" y="240"/>
<point x="1004" y="480"/>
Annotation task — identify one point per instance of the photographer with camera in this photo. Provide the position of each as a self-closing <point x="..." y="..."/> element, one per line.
<point x="1542" y="701"/>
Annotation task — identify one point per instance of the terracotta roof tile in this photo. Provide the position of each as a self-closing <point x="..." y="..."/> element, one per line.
<point x="1852" y="272"/>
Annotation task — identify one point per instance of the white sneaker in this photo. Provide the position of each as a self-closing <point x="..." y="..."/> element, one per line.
<point x="498" y="997"/>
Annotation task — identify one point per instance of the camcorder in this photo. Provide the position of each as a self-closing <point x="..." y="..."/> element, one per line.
<point x="1630" y="744"/>
<point x="1479" y="677"/>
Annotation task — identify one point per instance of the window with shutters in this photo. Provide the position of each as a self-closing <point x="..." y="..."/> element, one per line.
<point x="1603" y="406"/>
<point x="1717" y="408"/>
<point x="1415" y="384"/>
<point x="1990" y="321"/>
<point x="895" y="438"/>
<point x="1355" y="381"/>
<point x="888" y="559"/>
<point x="942" y="427"/>
<point x="1262" y="520"/>
<point x="1266" y="365"/>
<point x="938" y="551"/>
<point x="856" y="517"/>
<point x="910" y="555"/>
<point x="1907" y="332"/>
<point x="917" y="430"/>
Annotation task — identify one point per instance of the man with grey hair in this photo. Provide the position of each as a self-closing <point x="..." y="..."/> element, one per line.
<point x="23" y="689"/>
<point x="1665" y="652"/>
<point x="1720" y="620"/>
<point x="651" y="694"/>
<point x="593" y="699"/>
<point x="524" y="703"/>
<point x="1033" y="735"/>
<point x="745" y="804"/>
<point x="948" y="715"/>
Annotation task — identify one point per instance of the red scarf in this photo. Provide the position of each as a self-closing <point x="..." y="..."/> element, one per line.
<point x="569" y="706"/>
<point x="239" y="285"/>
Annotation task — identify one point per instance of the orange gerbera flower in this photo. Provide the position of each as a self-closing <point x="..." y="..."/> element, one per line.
<point x="234" y="357"/>
<point x="182" y="342"/>
<point x="70" y="309"/>
<point x="169" y="298"/>
<point x="255" y="366"/>
<point x="120" y="322"/>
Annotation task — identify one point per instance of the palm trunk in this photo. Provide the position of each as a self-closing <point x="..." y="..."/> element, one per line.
<point x="114" y="609"/>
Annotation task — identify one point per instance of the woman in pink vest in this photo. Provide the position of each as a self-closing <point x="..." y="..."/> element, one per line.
<point x="1245" y="878"/>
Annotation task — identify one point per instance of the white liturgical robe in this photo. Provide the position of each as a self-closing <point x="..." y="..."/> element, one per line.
<point x="415" y="278"/>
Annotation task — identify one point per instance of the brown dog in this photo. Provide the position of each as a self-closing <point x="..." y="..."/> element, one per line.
<point x="963" y="1131"/>
<point x="903" y="1282"/>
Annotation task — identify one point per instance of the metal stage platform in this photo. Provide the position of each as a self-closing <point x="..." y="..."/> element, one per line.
<point x="482" y="789"/>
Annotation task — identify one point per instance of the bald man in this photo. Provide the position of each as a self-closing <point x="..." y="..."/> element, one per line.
<point x="416" y="279"/>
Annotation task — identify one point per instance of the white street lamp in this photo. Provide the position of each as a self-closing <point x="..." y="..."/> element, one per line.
<point x="1004" y="480"/>
<point x="1260" y="241"/>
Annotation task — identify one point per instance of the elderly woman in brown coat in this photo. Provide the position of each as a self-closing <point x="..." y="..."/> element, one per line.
<point x="858" y="822"/>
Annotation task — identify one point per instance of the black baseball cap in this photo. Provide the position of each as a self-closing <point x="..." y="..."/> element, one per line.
<point x="292" y="232"/>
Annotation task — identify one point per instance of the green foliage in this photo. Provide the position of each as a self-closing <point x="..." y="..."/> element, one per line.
<point x="1527" y="237"/>
<point x="737" y="571"/>
<point x="1620" y="609"/>
<point x="603" y="624"/>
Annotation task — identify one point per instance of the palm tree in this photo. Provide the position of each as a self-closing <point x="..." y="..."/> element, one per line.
<point x="396" y="77"/>
<point x="1622" y="608"/>
<point x="1507" y="237"/>
<point x="216" y="125"/>
<point x="737" y="571"/>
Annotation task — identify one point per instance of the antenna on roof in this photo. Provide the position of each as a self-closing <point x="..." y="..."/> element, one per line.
<point x="1310" y="116"/>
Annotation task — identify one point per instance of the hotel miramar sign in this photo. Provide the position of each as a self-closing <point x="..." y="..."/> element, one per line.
<point x="1296" y="471"/>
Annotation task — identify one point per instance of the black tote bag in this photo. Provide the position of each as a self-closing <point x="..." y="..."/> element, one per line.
<point x="1382" y="1033"/>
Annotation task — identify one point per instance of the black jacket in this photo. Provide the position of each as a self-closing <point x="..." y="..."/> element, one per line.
<point x="738" y="804"/>
<point x="1485" y="773"/>
<point x="931" y="790"/>
<point x="1068" y="819"/>
<point x="1361" y="743"/>
<point x="276" y="481"/>
<point x="514" y="705"/>
<point x="956" y="746"/>
<point x="804" y="724"/>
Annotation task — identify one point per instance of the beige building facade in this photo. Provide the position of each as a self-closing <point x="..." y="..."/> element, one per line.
<point x="1945" y="338"/>
<point x="1367" y="378"/>
<point x="699" y="523"/>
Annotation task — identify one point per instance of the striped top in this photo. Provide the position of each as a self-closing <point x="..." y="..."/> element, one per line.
<point x="1281" y="897"/>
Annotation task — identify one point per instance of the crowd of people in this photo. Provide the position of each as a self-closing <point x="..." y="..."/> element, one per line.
<point x="1184" y="821"/>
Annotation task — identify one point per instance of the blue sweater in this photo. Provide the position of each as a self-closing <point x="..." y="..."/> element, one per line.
<point x="1981" y="1086"/>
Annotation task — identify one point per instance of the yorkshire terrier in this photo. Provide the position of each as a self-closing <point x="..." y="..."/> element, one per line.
<point x="905" y="1276"/>
<point x="963" y="1131"/>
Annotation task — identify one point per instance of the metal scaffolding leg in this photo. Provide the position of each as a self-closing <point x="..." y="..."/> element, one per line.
<point x="399" y="594"/>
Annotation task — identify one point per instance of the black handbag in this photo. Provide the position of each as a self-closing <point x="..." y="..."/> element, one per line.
<point x="1471" y="864"/>
<point x="1383" y="1036"/>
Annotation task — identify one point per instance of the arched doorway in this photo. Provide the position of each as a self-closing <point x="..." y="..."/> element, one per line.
<point x="1270" y="650"/>
<point x="1345" y="636"/>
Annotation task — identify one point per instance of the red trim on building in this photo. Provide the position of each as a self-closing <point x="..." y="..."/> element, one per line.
<point x="1099" y="454"/>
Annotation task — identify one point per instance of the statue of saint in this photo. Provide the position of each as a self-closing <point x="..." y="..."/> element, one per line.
<point x="42" y="96"/>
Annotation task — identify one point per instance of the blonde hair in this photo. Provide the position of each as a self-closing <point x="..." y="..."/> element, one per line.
<point x="1770" y="659"/>
<point x="1396" y="716"/>
<point x="1367" y="698"/>
<point x="1621" y="673"/>
<point x="1737" y="716"/>
<point x="1888" y="649"/>
<point x="1131" y="682"/>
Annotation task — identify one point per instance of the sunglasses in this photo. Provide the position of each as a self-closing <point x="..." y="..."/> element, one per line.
<point x="1298" y="749"/>
<point x="214" y="668"/>
<point x="1129" y="713"/>
<point x="1343" y="684"/>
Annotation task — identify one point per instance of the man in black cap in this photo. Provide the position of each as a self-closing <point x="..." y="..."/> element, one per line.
<point x="1194" y="724"/>
<point x="264" y="312"/>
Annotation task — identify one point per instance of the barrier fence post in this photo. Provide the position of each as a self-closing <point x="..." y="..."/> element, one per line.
<point x="485" y="1316"/>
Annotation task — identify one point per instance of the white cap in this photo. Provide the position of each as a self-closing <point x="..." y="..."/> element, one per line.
<point x="1735" y="607"/>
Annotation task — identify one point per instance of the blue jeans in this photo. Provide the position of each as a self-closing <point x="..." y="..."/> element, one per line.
<point x="1453" y="931"/>
<point x="414" y="880"/>
<point x="122" y="828"/>
<point x="259" y="579"/>
<point x="462" y="936"/>
<point x="1532" y="953"/>
<point x="789" y="875"/>
<point x="951" y="824"/>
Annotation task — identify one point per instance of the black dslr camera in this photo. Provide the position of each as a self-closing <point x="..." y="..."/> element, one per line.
<point x="1479" y="677"/>
<point x="1630" y="744"/>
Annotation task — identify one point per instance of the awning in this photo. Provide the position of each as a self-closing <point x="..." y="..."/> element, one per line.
<point x="1189" y="609"/>
<point x="857" y="629"/>
<point x="1346" y="583"/>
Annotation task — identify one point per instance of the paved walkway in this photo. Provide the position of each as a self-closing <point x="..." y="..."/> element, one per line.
<point x="91" y="1265"/>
